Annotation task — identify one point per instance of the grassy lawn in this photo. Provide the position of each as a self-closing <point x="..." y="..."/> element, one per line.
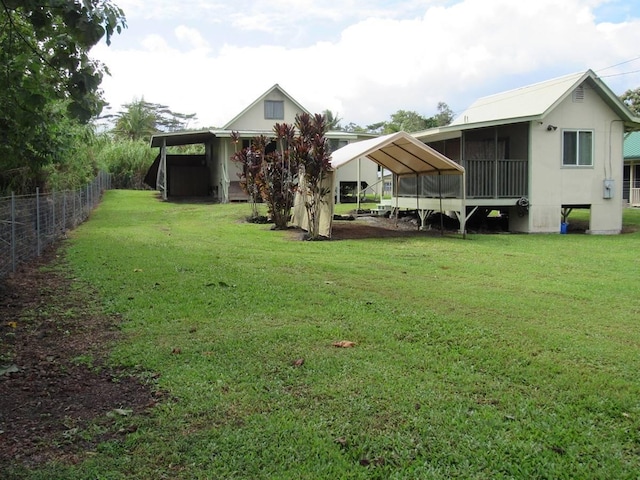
<point x="499" y="356"/>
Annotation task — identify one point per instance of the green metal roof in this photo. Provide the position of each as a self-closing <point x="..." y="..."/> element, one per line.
<point x="632" y="145"/>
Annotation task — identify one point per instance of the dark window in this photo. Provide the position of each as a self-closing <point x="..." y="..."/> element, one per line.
<point x="577" y="148"/>
<point x="336" y="143"/>
<point x="274" y="109"/>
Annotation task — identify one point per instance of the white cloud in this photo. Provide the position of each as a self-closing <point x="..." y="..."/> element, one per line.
<point x="410" y="57"/>
<point x="191" y="37"/>
<point x="155" y="43"/>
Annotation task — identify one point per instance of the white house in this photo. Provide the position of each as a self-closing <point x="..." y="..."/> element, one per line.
<point x="535" y="154"/>
<point x="212" y="174"/>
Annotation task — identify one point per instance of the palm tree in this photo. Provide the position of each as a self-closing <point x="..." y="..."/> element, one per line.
<point x="333" y="120"/>
<point x="137" y="122"/>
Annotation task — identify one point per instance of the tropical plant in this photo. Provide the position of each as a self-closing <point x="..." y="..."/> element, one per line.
<point x="250" y="162"/>
<point x="126" y="160"/>
<point x="48" y="76"/>
<point x="333" y="120"/>
<point x="311" y="151"/>
<point x="141" y="119"/>
<point x="280" y="175"/>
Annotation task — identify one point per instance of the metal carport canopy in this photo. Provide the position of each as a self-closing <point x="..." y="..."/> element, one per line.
<point x="400" y="153"/>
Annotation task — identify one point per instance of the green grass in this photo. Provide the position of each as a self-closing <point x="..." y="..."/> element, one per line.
<point x="499" y="356"/>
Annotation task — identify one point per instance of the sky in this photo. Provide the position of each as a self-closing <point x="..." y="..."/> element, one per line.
<point x="363" y="60"/>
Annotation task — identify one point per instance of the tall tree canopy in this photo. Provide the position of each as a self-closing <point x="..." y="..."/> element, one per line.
<point x="141" y="119"/>
<point x="405" y="120"/>
<point x="333" y="120"/>
<point x="631" y="98"/>
<point x="46" y="74"/>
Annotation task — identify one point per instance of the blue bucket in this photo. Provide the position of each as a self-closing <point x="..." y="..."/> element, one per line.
<point x="564" y="228"/>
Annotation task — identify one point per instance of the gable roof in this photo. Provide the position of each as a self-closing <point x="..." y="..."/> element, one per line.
<point x="400" y="153"/>
<point x="632" y="145"/>
<point x="260" y="99"/>
<point x="532" y="102"/>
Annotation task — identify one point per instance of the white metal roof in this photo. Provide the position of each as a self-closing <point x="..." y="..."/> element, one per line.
<point x="529" y="101"/>
<point x="532" y="102"/>
<point x="400" y="153"/>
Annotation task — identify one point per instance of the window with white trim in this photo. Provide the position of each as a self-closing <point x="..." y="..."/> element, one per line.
<point x="577" y="148"/>
<point x="274" y="109"/>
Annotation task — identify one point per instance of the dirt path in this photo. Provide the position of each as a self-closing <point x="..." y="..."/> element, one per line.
<point x="54" y="381"/>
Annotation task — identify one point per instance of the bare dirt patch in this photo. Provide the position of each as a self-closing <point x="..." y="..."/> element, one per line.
<point x="380" y="227"/>
<point x="377" y="227"/>
<point x="54" y="378"/>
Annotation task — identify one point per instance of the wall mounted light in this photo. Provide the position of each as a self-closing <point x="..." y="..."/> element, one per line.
<point x="551" y="128"/>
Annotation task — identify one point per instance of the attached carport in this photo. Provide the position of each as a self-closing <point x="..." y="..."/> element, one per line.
<point x="404" y="156"/>
<point x="182" y="175"/>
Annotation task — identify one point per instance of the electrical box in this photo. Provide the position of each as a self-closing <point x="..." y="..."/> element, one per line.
<point x="608" y="188"/>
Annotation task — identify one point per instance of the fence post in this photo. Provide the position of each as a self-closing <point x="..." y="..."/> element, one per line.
<point x="64" y="212"/>
<point x="38" y="218"/>
<point x="13" y="232"/>
<point x="54" y="230"/>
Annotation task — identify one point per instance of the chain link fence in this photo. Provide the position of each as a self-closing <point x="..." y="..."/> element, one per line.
<point x="30" y="223"/>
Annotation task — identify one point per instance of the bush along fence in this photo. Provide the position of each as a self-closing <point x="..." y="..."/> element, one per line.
<point x="30" y="223"/>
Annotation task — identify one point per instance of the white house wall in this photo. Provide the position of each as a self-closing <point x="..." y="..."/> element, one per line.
<point x="368" y="173"/>
<point x="552" y="185"/>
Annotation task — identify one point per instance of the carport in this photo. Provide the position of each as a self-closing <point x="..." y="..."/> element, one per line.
<point x="185" y="175"/>
<point x="404" y="156"/>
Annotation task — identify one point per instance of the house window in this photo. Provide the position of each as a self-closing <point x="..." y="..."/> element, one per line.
<point x="274" y="109"/>
<point x="336" y="143"/>
<point x="577" y="148"/>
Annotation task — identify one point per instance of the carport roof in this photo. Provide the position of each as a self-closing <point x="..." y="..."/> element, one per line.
<point x="182" y="138"/>
<point x="400" y="153"/>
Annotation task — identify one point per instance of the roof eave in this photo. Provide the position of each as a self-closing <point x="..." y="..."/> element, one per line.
<point x="181" y="138"/>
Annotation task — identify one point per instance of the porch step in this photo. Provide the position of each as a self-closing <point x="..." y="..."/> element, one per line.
<point x="381" y="210"/>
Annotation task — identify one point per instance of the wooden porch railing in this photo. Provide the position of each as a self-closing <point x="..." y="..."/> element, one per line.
<point x="634" y="197"/>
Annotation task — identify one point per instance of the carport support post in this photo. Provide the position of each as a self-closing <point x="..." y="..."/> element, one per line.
<point x="418" y="202"/>
<point x="163" y="162"/>
<point x="397" y="193"/>
<point x="463" y="217"/>
<point x="359" y="188"/>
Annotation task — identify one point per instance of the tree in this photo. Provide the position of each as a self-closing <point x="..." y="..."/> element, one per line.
<point x="47" y="74"/>
<point x="269" y="173"/>
<point x="141" y="119"/>
<point x="311" y="151"/>
<point x="251" y="167"/>
<point x="631" y="98"/>
<point x="444" y="115"/>
<point x="355" y="128"/>
<point x="272" y="168"/>
<point x="279" y="171"/>
<point x="407" y="121"/>
<point x="333" y="120"/>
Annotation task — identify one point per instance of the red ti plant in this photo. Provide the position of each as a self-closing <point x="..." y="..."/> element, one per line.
<point x="311" y="151"/>
<point x="251" y="163"/>
<point x="279" y="172"/>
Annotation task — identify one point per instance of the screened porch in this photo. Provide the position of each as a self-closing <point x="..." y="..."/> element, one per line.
<point x="495" y="160"/>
